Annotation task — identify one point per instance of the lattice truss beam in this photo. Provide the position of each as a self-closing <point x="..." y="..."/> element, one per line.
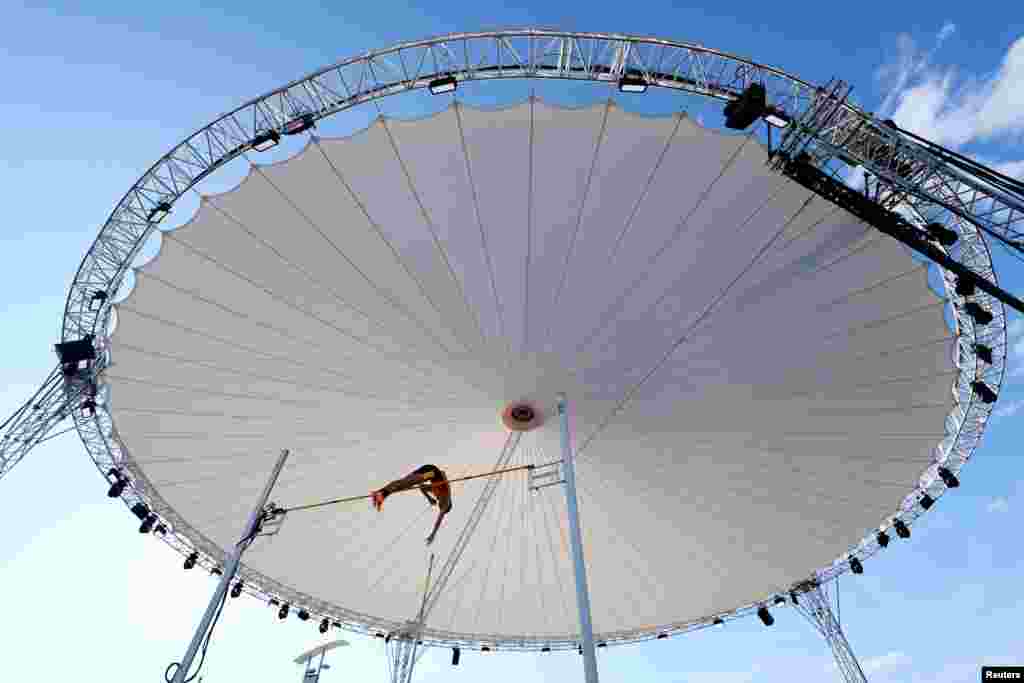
<point x="904" y="175"/>
<point x="815" y="605"/>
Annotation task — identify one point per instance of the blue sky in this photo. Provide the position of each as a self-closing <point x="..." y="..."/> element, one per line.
<point x="91" y="100"/>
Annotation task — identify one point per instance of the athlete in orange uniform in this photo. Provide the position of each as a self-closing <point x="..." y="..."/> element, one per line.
<point x="427" y="478"/>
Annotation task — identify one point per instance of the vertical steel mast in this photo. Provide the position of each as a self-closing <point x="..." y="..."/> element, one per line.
<point x="252" y="527"/>
<point x="575" y="540"/>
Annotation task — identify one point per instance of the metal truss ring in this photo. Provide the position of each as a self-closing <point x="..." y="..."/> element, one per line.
<point x="537" y="54"/>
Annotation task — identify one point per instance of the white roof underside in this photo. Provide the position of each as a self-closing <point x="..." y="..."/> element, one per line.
<point x="374" y="302"/>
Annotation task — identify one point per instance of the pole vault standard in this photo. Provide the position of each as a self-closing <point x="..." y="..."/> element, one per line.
<point x="252" y="527"/>
<point x="582" y="595"/>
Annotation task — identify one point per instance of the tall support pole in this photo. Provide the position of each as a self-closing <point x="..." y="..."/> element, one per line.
<point x="814" y="605"/>
<point x="575" y="539"/>
<point x="230" y="569"/>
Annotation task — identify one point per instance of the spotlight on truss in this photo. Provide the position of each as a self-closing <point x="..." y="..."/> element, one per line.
<point x="236" y="590"/>
<point x="299" y="125"/>
<point x="901" y="529"/>
<point x="965" y="286"/>
<point x="266" y="140"/>
<point x="883" y="539"/>
<point x="855" y="566"/>
<point x="981" y="315"/>
<point x="439" y="86"/>
<point x="456" y="655"/>
<point x="927" y="501"/>
<point x="117" y="488"/>
<point x="159" y="212"/>
<point x="983" y="352"/>
<point x="303" y="615"/>
<point x="945" y="236"/>
<point x="747" y="108"/>
<point x="324" y="625"/>
<point x="948" y="478"/>
<point x="766" y="617"/>
<point x="984" y="391"/>
<point x="283" y="612"/>
<point x="190" y="561"/>
<point x="147" y="524"/>
<point x="632" y="84"/>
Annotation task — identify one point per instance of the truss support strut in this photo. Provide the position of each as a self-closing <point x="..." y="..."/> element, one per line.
<point x="814" y="605"/>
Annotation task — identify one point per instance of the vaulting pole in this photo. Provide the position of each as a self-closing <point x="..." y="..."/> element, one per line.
<point x="230" y="569"/>
<point x="575" y="540"/>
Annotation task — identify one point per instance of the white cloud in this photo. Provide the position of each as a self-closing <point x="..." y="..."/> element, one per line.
<point x="947" y="30"/>
<point x="891" y="661"/>
<point x="953" y="109"/>
<point x="999" y="504"/>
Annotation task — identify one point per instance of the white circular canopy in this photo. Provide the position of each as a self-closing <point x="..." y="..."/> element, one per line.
<point x="756" y="379"/>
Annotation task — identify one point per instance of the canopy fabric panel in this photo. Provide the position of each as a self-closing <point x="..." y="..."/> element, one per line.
<point x="755" y="377"/>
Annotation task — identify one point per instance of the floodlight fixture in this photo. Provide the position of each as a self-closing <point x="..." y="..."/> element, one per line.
<point x="984" y="391"/>
<point x="266" y="140"/>
<point x="456" y="655"/>
<point x="855" y="566"/>
<point x="303" y="615"/>
<point x="718" y="621"/>
<point x="73" y="353"/>
<point x="747" y="108"/>
<point x="882" y="538"/>
<point x="160" y="529"/>
<point x="766" y="617"/>
<point x="792" y="596"/>
<point x="140" y="510"/>
<point x="927" y="501"/>
<point x="117" y="488"/>
<point x="947" y="237"/>
<point x="981" y="315"/>
<point x="324" y="625"/>
<point x="901" y="529"/>
<point x="147" y="524"/>
<point x="965" y="286"/>
<point x="283" y="612"/>
<point x="632" y="84"/>
<point x="948" y="478"/>
<point x="984" y="352"/>
<point x="662" y="636"/>
<point x="99" y="297"/>
<point x="216" y="571"/>
<point x="300" y="124"/>
<point x="159" y="212"/>
<point x="191" y="560"/>
<point x="442" y="85"/>
<point x="236" y="590"/>
<point x="485" y="648"/>
<point x="545" y="649"/>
